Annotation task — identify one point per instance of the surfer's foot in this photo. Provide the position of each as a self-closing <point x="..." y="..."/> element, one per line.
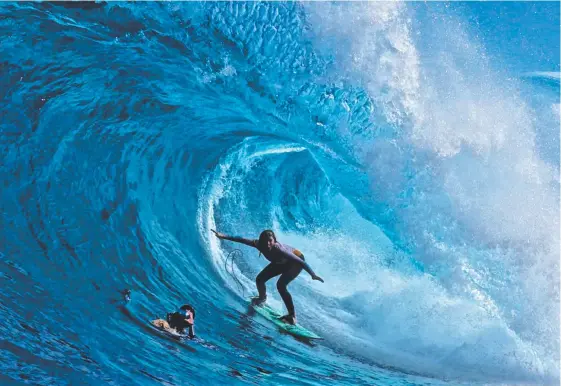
<point x="289" y="319"/>
<point x="257" y="301"/>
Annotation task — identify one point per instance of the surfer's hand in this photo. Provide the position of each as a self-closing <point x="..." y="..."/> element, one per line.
<point x="316" y="277"/>
<point x="218" y="234"/>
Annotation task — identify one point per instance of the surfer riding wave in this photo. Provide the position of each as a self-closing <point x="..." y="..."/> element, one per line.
<point x="285" y="261"/>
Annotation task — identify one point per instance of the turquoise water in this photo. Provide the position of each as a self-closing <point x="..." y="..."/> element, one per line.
<point x="409" y="150"/>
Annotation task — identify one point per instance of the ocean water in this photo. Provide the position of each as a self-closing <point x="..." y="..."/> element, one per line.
<point x="410" y="150"/>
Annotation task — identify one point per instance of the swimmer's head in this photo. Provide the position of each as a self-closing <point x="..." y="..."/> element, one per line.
<point x="186" y="309"/>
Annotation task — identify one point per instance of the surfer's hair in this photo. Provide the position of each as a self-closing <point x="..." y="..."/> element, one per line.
<point x="265" y="235"/>
<point x="188" y="307"/>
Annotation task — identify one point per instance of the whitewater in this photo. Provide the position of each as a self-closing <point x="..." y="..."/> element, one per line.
<point x="410" y="150"/>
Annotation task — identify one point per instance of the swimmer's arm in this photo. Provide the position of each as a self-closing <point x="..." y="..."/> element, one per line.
<point x="237" y="239"/>
<point x="191" y="323"/>
<point x="191" y="331"/>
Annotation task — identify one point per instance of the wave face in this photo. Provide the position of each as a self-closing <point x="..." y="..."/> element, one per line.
<point x="412" y="159"/>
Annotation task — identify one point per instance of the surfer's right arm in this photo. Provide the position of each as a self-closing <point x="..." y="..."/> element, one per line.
<point x="237" y="239"/>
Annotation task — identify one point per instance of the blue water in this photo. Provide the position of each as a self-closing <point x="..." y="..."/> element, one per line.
<point x="410" y="150"/>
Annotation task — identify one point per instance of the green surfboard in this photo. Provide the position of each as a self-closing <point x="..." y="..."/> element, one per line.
<point x="296" y="330"/>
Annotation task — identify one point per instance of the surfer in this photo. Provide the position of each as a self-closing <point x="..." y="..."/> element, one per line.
<point x="284" y="260"/>
<point x="182" y="319"/>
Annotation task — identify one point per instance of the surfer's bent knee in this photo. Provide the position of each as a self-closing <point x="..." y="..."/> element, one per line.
<point x="281" y="287"/>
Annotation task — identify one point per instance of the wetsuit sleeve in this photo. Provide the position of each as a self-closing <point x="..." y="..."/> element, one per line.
<point x="238" y="239"/>
<point x="292" y="257"/>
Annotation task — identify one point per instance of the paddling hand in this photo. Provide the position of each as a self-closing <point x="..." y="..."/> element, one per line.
<point x="316" y="277"/>
<point x="218" y="234"/>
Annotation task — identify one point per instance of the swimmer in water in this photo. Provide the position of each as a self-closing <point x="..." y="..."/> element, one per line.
<point x="179" y="321"/>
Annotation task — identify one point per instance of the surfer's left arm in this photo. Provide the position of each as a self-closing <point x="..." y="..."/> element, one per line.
<point x="293" y="257"/>
<point x="236" y="239"/>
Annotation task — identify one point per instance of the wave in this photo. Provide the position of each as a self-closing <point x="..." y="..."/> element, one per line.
<point x="384" y="140"/>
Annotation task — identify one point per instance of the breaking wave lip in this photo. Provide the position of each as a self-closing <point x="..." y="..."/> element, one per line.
<point x="478" y="176"/>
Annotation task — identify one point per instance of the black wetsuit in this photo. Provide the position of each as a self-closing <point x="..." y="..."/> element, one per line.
<point x="288" y="273"/>
<point x="286" y="263"/>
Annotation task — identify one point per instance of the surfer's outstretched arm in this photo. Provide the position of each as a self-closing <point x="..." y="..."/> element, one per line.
<point x="292" y="257"/>
<point x="237" y="239"/>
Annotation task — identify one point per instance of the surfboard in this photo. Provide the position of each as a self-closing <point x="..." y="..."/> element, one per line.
<point x="271" y="314"/>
